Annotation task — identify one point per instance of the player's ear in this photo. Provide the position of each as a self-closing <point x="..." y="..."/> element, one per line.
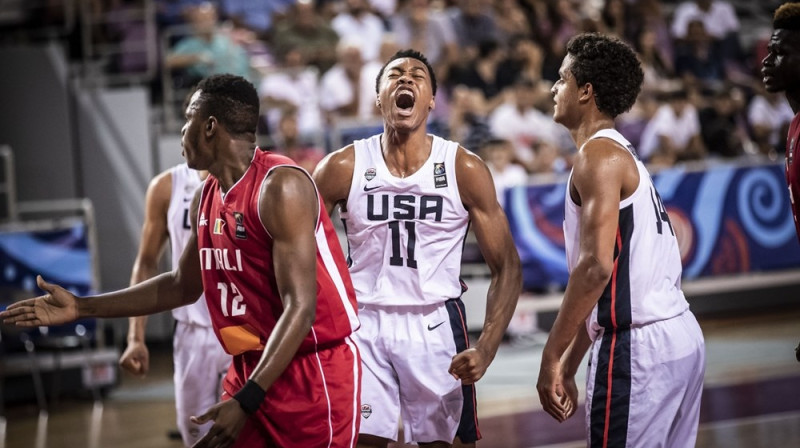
<point x="432" y="104"/>
<point x="211" y="126"/>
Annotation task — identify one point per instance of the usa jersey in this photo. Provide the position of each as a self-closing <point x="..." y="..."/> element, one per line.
<point x="237" y="265"/>
<point x="646" y="280"/>
<point x="405" y="235"/>
<point x="184" y="184"/>
<point x="793" y="169"/>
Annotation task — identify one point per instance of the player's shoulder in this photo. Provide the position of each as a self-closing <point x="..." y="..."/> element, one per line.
<point x="468" y="160"/>
<point x="340" y="161"/>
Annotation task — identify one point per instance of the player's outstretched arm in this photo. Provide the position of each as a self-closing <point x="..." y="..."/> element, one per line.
<point x="333" y="176"/>
<point x="164" y="292"/>
<point x="58" y="306"/>
<point x="494" y="239"/>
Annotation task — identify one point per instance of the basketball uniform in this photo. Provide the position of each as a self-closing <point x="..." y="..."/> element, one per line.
<point x="793" y="169"/>
<point x="314" y="402"/>
<point x="200" y="362"/>
<point x="405" y="237"/>
<point x="647" y="358"/>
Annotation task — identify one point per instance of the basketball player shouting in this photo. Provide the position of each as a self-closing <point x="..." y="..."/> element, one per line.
<point x="406" y="198"/>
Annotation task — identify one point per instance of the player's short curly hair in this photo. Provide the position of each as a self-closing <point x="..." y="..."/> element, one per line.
<point x="413" y="54"/>
<point x="233" y="100"/>
<point x="610" y="66"/>
<point x="787" y="17"/>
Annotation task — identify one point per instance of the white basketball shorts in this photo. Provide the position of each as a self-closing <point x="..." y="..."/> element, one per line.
<point x="406" y="352"/>
<point x="200" y="365"/>
<point x="644" y="385"/>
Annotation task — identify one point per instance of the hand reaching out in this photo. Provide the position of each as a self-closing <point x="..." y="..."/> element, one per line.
<point x="58" y="306"/>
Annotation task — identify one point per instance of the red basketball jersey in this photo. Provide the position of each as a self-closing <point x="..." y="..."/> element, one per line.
<point x="238" y="267"/>
<point x="793" y="169"/>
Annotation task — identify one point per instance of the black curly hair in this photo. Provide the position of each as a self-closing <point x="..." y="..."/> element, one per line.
<point x="233" y="100"/>
<point x="610" y="66"/>
<point x="413" y="54"/>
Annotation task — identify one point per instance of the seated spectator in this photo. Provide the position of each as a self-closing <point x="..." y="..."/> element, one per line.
<point x="673" y="134"/>
<point x="295" y="86"/>
<point x="499" y="157"/>
<point x="357" y="22"/>
<point x="656" y="65"/>
<point x="699" y="58"/>
<point x="288" y="141"/>
<point x="472" y="25"/>
<point x="255" y="16"/>
<point x="208" y="51"/>
<point x="769" y="115"/>
<point x="528" y="128"/>
<point x="723" y="127"/>
<point x="482" y="73"/>
<point x="347" y="90"/>
<point x="429" y="31"/>
<point x="509" y="17"/>
<point x="523" y="60"/>
<point x="467" y="119"/>
<point x="304" y="30"/>
<point x="718" y="18"/>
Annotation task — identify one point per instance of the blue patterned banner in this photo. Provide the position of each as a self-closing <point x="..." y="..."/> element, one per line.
<point x="729" y="219"/>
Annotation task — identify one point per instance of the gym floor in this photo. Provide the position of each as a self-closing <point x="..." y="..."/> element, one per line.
<point x="751" y="397"/>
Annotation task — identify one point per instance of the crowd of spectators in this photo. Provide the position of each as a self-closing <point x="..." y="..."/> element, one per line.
<point x="315" y="61"/>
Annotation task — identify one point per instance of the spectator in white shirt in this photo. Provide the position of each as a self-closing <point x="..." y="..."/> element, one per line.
<point x="769" y="115"/>
<point x="294" y="86"/>
<point x="499" y="157"/>
<point x="526" y="127"/>
<point x="347" y="90"/>
<point x="357" y="22"/>
<point x="673" y="134"/>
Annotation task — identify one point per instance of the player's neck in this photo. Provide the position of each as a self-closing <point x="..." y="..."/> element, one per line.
<point x="404" y="154"/>
<point x="232" y="164"/>
<point x="587" y="128"/>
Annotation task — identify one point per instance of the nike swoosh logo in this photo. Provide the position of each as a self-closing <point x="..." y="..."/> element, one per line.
<point x="372" y="188"/>
<point x="435" y="326"/>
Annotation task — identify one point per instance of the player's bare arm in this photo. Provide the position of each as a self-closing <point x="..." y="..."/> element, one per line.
<point x="333" y="176"/>
<point x="497" y="247"/>
<point x="169" y="290"/>
<point x="294" y="248"/>
<point x="603" y="174"/>
<point x="136" y="358"/>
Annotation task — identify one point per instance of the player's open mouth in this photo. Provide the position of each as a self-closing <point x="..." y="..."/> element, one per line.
<point x="404" y="100"/>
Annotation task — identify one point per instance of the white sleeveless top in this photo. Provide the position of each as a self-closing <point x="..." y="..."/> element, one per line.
<point x="645" y="284"/>
<point x="184" y="184"/>
<point x="405" y="235"/>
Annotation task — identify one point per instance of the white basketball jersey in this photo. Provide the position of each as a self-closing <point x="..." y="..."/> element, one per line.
<point x="405" y="235"/>
<point x="646" y="280"/>
<point x="184" y="184"/>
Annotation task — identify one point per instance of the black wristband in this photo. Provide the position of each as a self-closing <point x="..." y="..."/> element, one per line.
<point x="250" y="396"/>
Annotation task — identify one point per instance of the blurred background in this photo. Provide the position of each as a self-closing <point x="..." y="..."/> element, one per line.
<point x="91" y="95"/>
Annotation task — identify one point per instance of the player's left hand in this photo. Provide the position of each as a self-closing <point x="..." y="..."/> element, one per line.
<point x="556" y="396"/>
<point x="229" y="419"/>
<point x="469" y="365"/>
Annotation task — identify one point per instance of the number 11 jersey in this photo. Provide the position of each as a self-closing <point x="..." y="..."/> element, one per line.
<point x="405" y="235"/>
